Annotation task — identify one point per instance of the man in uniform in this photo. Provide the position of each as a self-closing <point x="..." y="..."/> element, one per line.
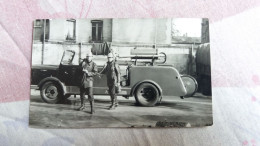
<point x="89" y="69"/>
<point x="113" y="79"/>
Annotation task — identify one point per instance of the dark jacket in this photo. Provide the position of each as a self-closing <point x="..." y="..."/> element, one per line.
<point x="112" y="71"/>
<point x="91" y="67"/>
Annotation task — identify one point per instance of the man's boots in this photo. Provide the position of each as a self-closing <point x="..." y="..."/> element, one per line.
<point x="82" y="107"/>
<point x="92" y="107"/>
<point x="116" y="102"/>
<point x="113" y="105"/>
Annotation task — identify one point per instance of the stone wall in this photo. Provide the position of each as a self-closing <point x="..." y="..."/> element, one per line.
<point x="178" y="56"/>
<point x="141" y="31"/>
<point x="52" y="53"/>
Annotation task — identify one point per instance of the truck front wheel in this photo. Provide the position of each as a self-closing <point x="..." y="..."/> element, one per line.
<point x="51" y="93"/>
<point x="146" y="94"/>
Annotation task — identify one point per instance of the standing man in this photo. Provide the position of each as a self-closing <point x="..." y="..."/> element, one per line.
<point x="113" y="79"/>
<point x="89" y="69"/>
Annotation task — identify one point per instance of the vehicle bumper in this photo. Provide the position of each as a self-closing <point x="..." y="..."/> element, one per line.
<point x="34" y="87"/>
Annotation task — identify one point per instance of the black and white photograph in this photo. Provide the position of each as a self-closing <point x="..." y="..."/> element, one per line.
<point x="121" y="72"/>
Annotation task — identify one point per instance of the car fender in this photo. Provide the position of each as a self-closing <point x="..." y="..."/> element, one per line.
<point x="146" y="81"/>
<point x="53" y="79"/>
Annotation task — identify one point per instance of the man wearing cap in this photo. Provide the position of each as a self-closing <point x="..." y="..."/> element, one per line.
<point x="113" y="79"/>
<point x="89" y="69"/>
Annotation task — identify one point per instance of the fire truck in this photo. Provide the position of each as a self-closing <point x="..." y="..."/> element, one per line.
<point x="144" y="76"/>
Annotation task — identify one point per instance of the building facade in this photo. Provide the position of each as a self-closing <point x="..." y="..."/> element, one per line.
<point x="52" y="37"/>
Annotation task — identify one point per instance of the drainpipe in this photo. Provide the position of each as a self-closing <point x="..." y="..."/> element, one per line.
<point x="80" y="46"/>
<point x="155" y="36"/>
<point x="191" y="58"/>
<point x="43" y="40"/>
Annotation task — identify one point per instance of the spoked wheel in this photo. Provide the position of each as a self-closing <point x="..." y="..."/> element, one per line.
<point x="51" y="93"/>
<point x="147" y="94"/>
<point x="190" y="84"/>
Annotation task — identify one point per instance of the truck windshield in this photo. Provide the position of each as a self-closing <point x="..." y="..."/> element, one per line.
<point x="67" y="57"/>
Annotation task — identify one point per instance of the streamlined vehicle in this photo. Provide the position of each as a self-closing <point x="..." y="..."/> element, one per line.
<point x="148" y="82"/>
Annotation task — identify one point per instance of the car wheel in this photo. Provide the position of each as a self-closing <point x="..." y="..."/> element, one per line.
<point x="190" y="84"/>
<point x="51" y="93"/>
<point x="146" y="94"/>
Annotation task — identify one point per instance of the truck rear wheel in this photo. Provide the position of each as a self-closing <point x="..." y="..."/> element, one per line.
<point x="51" y="93"/>
<point x="146" y="94"/>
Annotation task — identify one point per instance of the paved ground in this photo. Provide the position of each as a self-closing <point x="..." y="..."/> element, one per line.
<point x="194" y="111"/>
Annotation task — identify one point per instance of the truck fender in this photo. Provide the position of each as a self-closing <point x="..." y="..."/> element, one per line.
<point x="146" y="81"/>
<point x="53" y="79"/>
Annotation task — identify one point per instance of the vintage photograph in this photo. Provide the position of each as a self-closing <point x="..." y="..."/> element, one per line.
<point x="121" y="73"/>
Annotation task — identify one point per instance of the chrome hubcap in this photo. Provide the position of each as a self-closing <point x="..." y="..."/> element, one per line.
<point x="147" y="93"/>
<point x="51" y="92"/>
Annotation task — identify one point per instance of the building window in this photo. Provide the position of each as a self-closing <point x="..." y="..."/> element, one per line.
<point x="47" y="29"/>
<point x="39" y="28"/>
<point x="97" y="30"/>
<point x="71" y="29"/>
<point x="38" y="23"/>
